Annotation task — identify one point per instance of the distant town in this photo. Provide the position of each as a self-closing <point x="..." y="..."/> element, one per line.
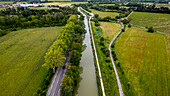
<point x="21" y="5"/>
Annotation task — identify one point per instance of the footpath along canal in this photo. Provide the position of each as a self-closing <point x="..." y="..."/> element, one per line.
<point x="88" y="84"/>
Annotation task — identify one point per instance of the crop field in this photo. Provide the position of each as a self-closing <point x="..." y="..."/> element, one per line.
<point x="145" y="59"/>
<point x="21" y="58"/>
<point x="150" y="19"/>
<point x="108" y="75"/>
<point x="104" y="14"/>
<point x="63" y="3"/>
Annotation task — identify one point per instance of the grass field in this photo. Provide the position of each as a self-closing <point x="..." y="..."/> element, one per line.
<point x="106" y="4"/>
<point x="163" y="5"/>
<point x="21" y="58"/>
<point x="108" y="31"/>
<point x="150" y="19"/>
<point x="145" y="59"/>
<point x="63" y="3"/>
<point x="6" y="2"/>
<point x="164" y="29"/>
<point x="2" y="9"/>
<point x="104" y="14"/>
<point x="9" y="2"/>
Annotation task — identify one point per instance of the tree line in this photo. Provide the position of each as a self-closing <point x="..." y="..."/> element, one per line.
<point x="71" y="78"/>
<point x="55" y="55"/>
<point x="13" y="19"/>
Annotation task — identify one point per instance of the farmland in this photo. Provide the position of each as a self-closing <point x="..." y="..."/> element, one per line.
<point x="104" y="14"/>
<point x="163" y="5"/>
<point x="146" y="19"/>
<point x="144" y="57"/>
<point x="22" y="55"/>
<point x="164" y="29"/>
<point x="63" y="3"/>
<point x="106" y="4"/>
<point x="108" y="31"/>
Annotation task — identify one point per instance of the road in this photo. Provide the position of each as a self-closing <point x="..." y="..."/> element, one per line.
<point x="54" y="89"/>
<point x="117" y="76"/>
<point x="98" y="66"/>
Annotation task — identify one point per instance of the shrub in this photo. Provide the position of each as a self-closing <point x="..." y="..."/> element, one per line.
<point x="125" y="21"/>
<point x="129" y="25"/>
<point x="97" y="24"/>
<point x="150" y="29"/>
<point x="123" y="30"/>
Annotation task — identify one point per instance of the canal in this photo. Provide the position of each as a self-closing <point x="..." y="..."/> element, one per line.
<point x="88" y="84"/>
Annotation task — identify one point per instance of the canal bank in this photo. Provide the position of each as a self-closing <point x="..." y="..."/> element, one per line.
<point x="88" y="84"/>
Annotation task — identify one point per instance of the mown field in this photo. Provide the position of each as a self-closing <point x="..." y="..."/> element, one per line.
<point x="21" y="58"/>
<point x="146" y="19"/>
<point x="104" y="14"/>
<point x="145" y="59"/>
<point x="107" y="30"/>
<point x="63" y="3"/>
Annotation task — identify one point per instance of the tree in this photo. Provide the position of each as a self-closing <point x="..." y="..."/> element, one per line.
<point x="79" y="29"/>
<point x="129" y="25"/>
<point x="77" y="47"/>
<point x="67" y="86"/>
<point x="54" y="58"/>
<point x="75" y="58"/>
<point x="150" y="29"/>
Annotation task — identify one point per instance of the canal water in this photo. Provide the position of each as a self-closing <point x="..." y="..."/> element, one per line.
<point x="88" y="84"/>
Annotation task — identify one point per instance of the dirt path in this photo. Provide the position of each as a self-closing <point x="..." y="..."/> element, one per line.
<point x="117" y="76"/>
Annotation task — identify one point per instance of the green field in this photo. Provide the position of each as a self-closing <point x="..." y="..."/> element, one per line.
<point x="21" y="58"/>
<point x="2" y="9"/>
<point x="6" y="2"/>
<point x="146" y="19"/>
<point x="108" y="31"/>
<point x="104" y="14"/>
<point x="163" y="5"/>
<point x="164" y="29"/>
<point x="106" y="4"/>
<point x="145" y="59"/>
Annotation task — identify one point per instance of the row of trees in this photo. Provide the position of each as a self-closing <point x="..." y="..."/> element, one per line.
<point x="148" y="8"/>
<point x="55" y="55"/>
<point x="71" y="78"/>
<point x="14" y="19"/>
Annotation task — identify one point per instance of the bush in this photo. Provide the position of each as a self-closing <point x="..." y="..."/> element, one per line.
<point x="150" y="29"/>
<point x="125" y="21"/>
<point x="108" y="59"/>
<point x="97" y="24"/>
<point x="129" y="25"/>
<point x="123" y="30"/>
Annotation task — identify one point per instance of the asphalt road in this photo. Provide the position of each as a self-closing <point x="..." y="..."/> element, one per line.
<point x="54" y="89"/>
